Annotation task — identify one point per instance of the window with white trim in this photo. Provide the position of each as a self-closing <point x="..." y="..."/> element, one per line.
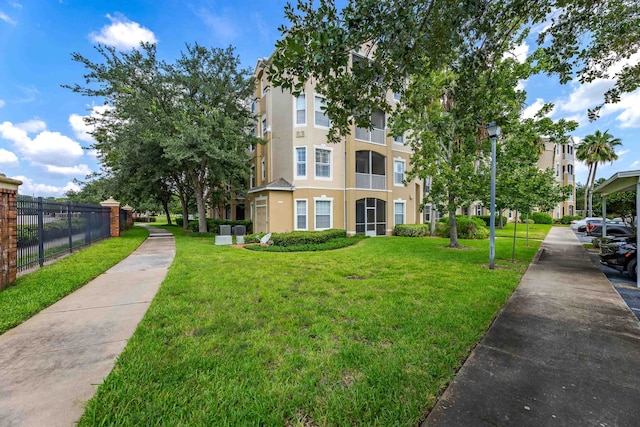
<point x="252" y="180"/>
<point x="399" y="212"/>
<point x="323" y="163"/>
<point x="301" y="162"/>
<point x="263" y="169"/>
<point x="478" y="210"/>
<point x="320" y="114"/>
<point x="399" y="139"/>
<point x="301" y="110"/>
<point x="324" y="217"/>
<point x="301" y="214"/>
<point x="398" y="172"/>
<point x="264" y="126"/>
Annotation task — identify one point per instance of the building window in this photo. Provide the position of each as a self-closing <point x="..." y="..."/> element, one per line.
<point x="398" y="212"/>
<point x="478" y="210"/>
<point x="398" y="172"/>
<point x="427" y="185"/>
<point x="301" y="162"/>
<point x="301" y="110"/>
<point x="321" y="118"/>
<point x="301" y="214"/>
<point x="263" y="169"/>
<point x="397" y="96"/>
<point x="323" y="163"/>
<point x="254" y="106"/>
<point x="264" y="126"/>
<point x="324" y="219"/>
<point x="252" y="181"/>
<point x="399" y="139"/>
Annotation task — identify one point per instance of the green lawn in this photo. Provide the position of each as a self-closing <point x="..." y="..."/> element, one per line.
<point x="39" y="289"/>
<point x="536" y="231"/>
<point x="366" y="335"/>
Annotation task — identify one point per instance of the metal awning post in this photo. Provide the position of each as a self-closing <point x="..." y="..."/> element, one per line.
<point x="604" y="215"/>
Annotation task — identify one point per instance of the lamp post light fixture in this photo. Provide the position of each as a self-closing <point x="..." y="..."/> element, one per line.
<point x="494" y="132"/>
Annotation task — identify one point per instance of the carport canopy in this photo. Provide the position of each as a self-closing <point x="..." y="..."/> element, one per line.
<point x="620" y="182"/>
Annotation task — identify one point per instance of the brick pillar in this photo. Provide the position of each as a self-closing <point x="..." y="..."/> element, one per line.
<point x="129" y="210"/>
<point x="8" y="230"/>
<point x="115" y="215"/>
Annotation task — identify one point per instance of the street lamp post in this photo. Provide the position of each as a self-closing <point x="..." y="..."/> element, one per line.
<point x="494" y="132"/>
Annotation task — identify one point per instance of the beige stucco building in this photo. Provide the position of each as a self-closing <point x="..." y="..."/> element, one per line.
<point x="299" y="181"/>
<point x="561" y="159"/>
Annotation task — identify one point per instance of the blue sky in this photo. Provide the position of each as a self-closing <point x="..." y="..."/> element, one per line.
<point x="43" y="139"/>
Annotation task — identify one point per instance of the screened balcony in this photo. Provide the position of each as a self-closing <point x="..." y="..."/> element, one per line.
<point x="370" y="171"/>
<point x="377" y="135"/>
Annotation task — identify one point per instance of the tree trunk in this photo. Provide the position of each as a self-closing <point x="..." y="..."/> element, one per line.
<point x="432" y="223"/>
<point x="593" y="181"/>
<point x="513" y="245"/>
<point x="453" y="226"/>
<point x="198" y="189"/>
<point x="586" y="193"/>
<point x="165" y="206"/>
<point x="184" y="204"/>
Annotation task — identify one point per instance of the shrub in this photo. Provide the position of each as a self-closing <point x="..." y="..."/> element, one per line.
<point x="337" y="243"/>
<point x="541" y="218"/>
<point x="527" y="221"/>
<point x="487" y="220"/>
<point x="297" y="238"/>
<point x="411" y="230"/>
<point x="473" y="228"/>
<point x="568" y="218"/>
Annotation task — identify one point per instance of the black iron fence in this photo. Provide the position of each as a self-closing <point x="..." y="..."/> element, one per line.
<point x="49" y="229"/>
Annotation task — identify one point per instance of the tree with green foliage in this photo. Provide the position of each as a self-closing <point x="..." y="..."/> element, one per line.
<point x="594" y="149"/>
<point x="580" y="39"/>
<point x="172" y="128"/>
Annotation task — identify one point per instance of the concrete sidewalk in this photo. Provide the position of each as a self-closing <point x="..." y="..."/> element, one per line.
<point x="565" y="351"/>
<point x="51" y="364"/>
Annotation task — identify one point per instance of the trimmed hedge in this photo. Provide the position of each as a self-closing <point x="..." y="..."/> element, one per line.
<point x="411" y="230"/>
<point x="473" y="228"/>
<point x="213" y="224"/>
<point x="297" y="238"/>
<point x="568" y="218"/>
<point x="541" y="218"/>
<point x="487" y="220"/>
<point x="338" y="243"/>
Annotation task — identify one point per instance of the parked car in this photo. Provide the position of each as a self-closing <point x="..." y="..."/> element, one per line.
<point x="581" y="224"/>
<point x="621" y="253"/>
<point x="614" y="228"/>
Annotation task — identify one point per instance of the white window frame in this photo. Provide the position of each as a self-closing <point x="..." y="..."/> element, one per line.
<point x="263" y="124"/>
<point x="317" y="97"/>
<point x="296" y="162"/>
<point x="404" y="172"/>
<point x="315" y="170"/>
<point x="306" y="214"/>
<point x="315" y="212"/>
<point x="252" y="176"/>
<point x="295" y="110"/>
<point x="403" y="203"/>
<point x="263" y="169"/>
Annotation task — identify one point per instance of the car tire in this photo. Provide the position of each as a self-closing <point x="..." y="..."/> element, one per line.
<point x="632" y="269"/>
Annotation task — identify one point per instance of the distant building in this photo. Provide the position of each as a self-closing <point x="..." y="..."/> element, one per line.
<point x="560" y="158"/>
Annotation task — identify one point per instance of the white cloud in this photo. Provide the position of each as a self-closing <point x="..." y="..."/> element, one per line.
<point x="522" y="84"/>
<point x="7" y="158"/>
<point x="519" y="53"/>
<point x="4" y="17"/>
<point x="32" y="126"/>
<point x="622" y="152"/>
<point x="585" y="96"/>
<point x="634" y="164"/>
<point x="123" y="34"/>
<point x="2" y="103"/>
<point x="533" y="109"/>
<point x="80" y="128"/>
<point x="68" y="170"/>
<point x="223" y="26"/>
<point x="31" y="188"/>
<point x="48" y="148"/>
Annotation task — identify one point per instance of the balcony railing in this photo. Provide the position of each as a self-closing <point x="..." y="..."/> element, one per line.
<point x="377" y="136"/>
<point x="371" y="182"/>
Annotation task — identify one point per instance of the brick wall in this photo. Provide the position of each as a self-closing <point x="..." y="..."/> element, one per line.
<point x="8" y="236"/>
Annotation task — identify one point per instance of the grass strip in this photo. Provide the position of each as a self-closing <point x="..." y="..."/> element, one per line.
<point x="366" y="335"/>
<point x="536" y="231"/>
<point x="37" y="290"/>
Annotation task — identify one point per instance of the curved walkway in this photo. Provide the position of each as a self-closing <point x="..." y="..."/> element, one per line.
<point x="52" y="363"/>
<point x="565" y="351"/>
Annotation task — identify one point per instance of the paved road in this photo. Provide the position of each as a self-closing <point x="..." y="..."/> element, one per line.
<point x="620" y="281"/>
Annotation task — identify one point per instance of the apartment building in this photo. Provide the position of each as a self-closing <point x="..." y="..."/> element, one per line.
<point x="560" y="158"/>
<point x="299" y="181"/>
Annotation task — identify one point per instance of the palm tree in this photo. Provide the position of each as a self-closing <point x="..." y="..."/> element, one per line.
<point x="594" y="149"/>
